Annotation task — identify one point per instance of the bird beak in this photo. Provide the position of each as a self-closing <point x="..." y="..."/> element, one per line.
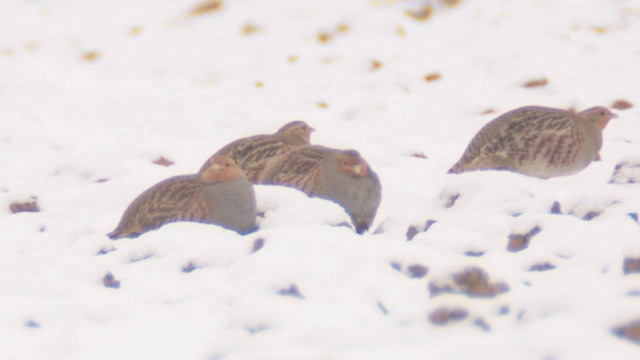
<point x="614" y="115"/>
<point x="311" y="129"/>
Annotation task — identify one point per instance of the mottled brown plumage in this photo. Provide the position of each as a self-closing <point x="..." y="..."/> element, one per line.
<point x="537" y="141"/>
<point x="220" y="195"/>
<point x="341" y="176"/>
<point x="253" y="153"/>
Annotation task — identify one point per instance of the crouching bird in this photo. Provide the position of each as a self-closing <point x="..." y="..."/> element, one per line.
<point x="537" y="141"/>
<point x="254" y="152"/>
<point x="220" y="195"/>
<point x="341" y="176"/>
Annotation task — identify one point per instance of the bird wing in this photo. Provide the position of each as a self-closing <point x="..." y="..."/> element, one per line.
<point x="249" y="150"/>
<point x="175" y="199"/>
<point x="511" y="137"/>
<point x="298" y="169"/>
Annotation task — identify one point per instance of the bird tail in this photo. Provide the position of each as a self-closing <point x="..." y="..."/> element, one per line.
<point x="114" y="235"/>
<point x="457" y="168"/>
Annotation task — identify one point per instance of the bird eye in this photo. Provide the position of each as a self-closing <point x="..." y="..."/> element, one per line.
<point x="601" y="113"/>
<point x="228" y="165"/>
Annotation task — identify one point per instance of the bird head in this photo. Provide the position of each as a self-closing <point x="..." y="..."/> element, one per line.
<point x="296" y="133"/>
<point x="598" y="115"/>
<point x="221" y="168"/>
<point x="352" y="164"/>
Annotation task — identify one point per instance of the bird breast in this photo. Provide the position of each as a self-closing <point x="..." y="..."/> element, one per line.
<point x="359" y="196"/>
<point x="234" y="202"/>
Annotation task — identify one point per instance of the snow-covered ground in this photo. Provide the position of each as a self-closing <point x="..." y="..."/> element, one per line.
<point x="93" y="91"/>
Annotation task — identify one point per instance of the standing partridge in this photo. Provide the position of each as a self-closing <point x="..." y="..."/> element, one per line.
<point x="253" y="153"/>
<point x="341" y="176"/>
<point x="537" y="141"/>
<point x="221" y="195"/>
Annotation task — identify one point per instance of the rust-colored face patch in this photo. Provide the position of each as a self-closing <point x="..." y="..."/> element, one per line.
<point x="222" y="169"/>
<point x="351" y="164"/>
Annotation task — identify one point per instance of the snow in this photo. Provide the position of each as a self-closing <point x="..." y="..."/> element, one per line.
<point x="80" y="132"/>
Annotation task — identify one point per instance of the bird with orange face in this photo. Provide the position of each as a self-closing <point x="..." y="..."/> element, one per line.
<point x="341" y="176"/>
<point x="253" y="153"/>
<point x="537" y="141"/>
<point x="220" y="195"/>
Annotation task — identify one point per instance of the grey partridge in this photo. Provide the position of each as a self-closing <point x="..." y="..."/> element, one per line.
<point x="341" y="176"/>
<point x="221" y="195"/>
<point x="253" y="153"/>
<point x="537" y="141"/>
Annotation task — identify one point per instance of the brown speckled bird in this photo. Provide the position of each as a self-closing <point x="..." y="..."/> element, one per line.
<point x="341" y="176"/>
<point x="253" y="153"/>
<point x="221" y="195"/>
<point x="537" y="141"/>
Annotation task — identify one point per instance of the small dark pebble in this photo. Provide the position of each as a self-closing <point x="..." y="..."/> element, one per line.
<point x="189" y="267"/>
<point x="32" y="324"/>
<point x="256" y="329"/>
<point x="482" y="323"/>
<point x="105" y="250"/>
<point x="417" y="271"/>
<point x="382" y="308"/>
<point x="429" y="223"/>
<point x="396" y="266"/>
<point x="591" y="215"/>
<point x="545" y="266"/>
<point x="412" y="231"/>
<point x="257" y="245"/>
<point x="136" y="259"/>
<point x="110" y="281"/>
<point x="472" y="253"/>
<point x="452" y="200"/>
<point x="443" y="315"/>
<point x="291" y="291"/>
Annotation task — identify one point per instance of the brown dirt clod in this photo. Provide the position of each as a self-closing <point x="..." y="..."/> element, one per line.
<point x="631" y="265"/>
<point x="630" y="331"/>
<point x="162" y="161"/>
<point x="621" y="105"/>
<point x="443" y="315"/>
<point x="110" y="281"/>
<point x="536" y="83"/>
<point x="28" y="206"/>
<point x="417" y="271"/>
<point x="473" y="281"/>
<point x="519" y="242"/>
